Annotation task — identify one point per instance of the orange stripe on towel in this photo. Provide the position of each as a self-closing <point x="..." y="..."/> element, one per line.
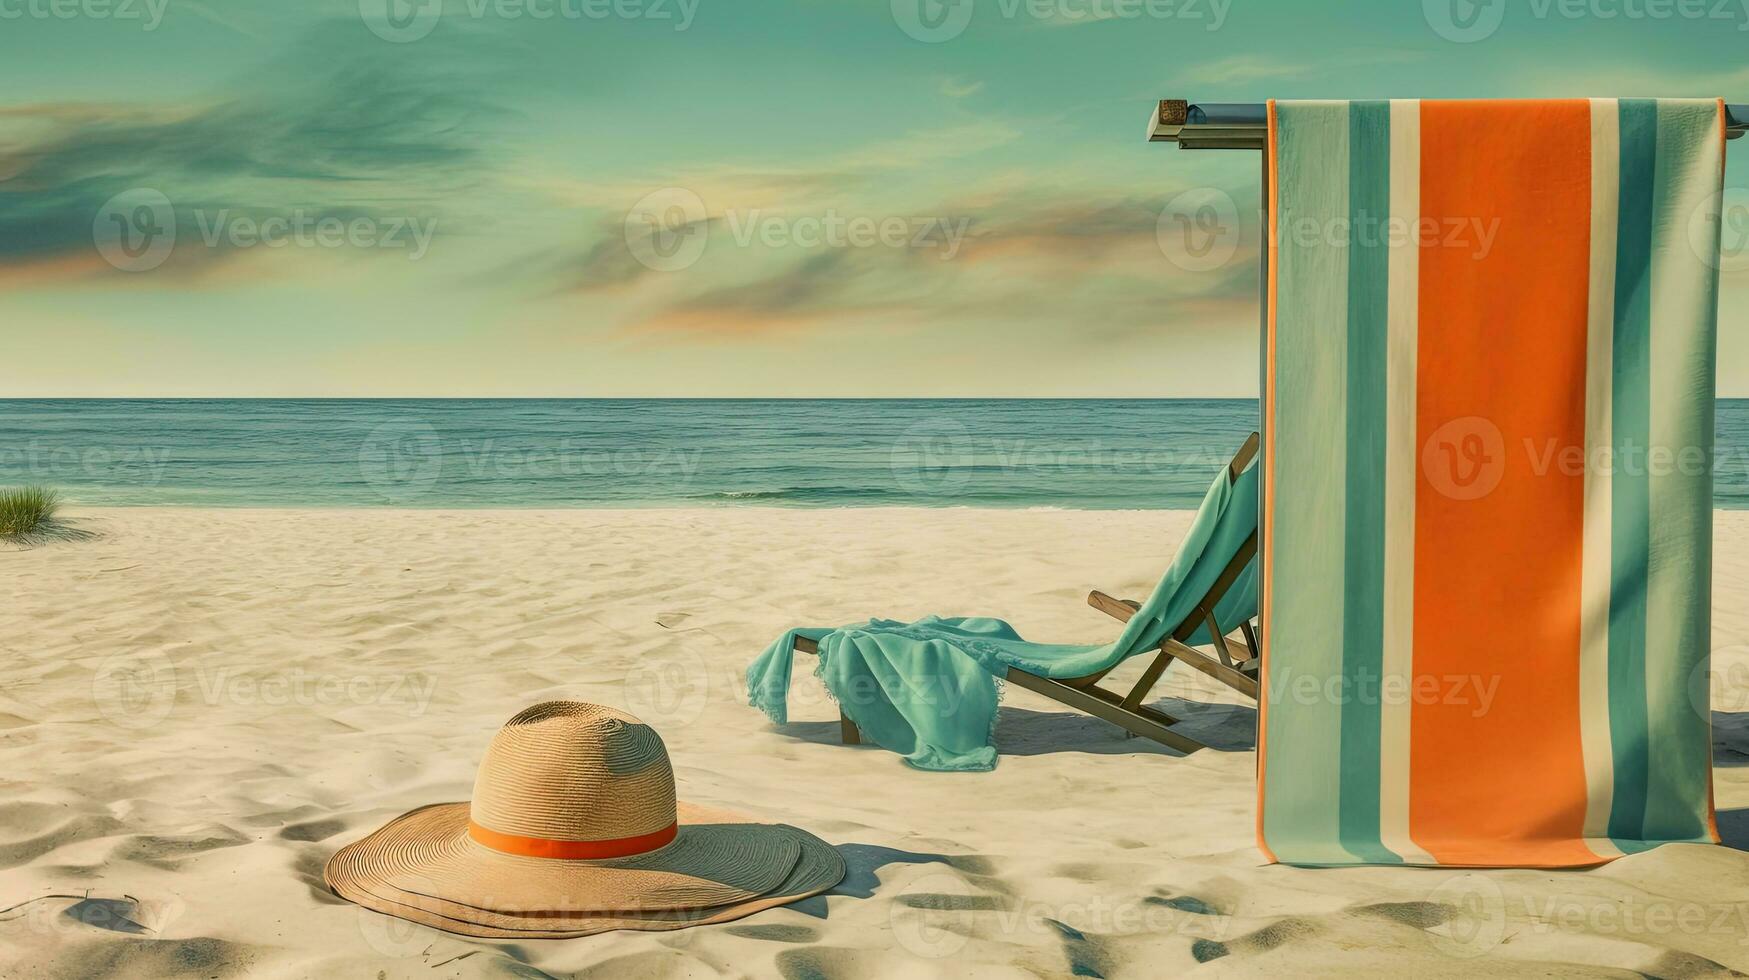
<point x="1498" y="778"/>
<point x="1266" y="585"/>
<point x="1712" y="812"/>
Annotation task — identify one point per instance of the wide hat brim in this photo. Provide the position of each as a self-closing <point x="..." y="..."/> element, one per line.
<point x="423" y="866"/>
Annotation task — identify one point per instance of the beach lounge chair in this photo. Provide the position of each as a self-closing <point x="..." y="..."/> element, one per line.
<point x="1234" y="664"/>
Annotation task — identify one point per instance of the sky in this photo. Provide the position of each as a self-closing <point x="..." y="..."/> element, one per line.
<point x="738" y="198"/>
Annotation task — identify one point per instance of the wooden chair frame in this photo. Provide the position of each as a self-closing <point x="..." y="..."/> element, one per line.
<point x="1127" y="711"/>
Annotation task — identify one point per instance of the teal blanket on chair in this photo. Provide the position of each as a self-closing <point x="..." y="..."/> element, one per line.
<point x="928" y="689"/>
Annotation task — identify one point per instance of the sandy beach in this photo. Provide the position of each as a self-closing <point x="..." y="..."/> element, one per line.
<point x="197" y="707"/>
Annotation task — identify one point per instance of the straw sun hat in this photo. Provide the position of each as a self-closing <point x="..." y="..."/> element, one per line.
<point x="574" y="830"/>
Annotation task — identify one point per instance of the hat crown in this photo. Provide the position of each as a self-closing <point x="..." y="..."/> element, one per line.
<point x="571" y="771"/>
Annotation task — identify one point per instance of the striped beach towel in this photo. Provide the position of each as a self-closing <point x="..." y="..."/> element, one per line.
<point x="1488" y="499"/>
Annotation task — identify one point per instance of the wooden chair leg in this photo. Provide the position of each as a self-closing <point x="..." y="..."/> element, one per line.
<point x="846" y="728"/>
<point x="1134" y="699"/>
<point x="1220" y="639"/>
<point x="1148" y="724"/>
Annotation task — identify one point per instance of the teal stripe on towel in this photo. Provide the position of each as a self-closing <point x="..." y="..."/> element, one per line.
<point x="1678" y="584"/>
<point x="1363" y="620"/>
<point x="1301" y="822"/>
<point x="1631" y="425"/>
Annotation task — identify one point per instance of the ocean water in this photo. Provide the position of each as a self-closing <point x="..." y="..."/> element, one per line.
<point x="1083" y="454"/>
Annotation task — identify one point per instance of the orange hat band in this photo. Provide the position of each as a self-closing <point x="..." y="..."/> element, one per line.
<point x="573" y="850"/>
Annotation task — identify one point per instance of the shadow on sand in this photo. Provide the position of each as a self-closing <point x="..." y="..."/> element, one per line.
<point x="863" y="863"/>
<point x="1025" y="732"/>
<point x="1734" y="828"/>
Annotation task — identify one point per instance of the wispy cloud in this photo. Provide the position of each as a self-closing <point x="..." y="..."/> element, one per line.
<point x="1637" y="80"/>
<point x="1029" y="253"/>
<point x="1242" y="68"/>
<point x="1073" y="15"/>
<point x="362" y="138"/>
<point x="959" y="87"/>
<point x="1248" y="68"/>
<point x="229" y="21"/>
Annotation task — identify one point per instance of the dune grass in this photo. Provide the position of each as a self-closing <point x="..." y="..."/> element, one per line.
<point x="28" y="514"/>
